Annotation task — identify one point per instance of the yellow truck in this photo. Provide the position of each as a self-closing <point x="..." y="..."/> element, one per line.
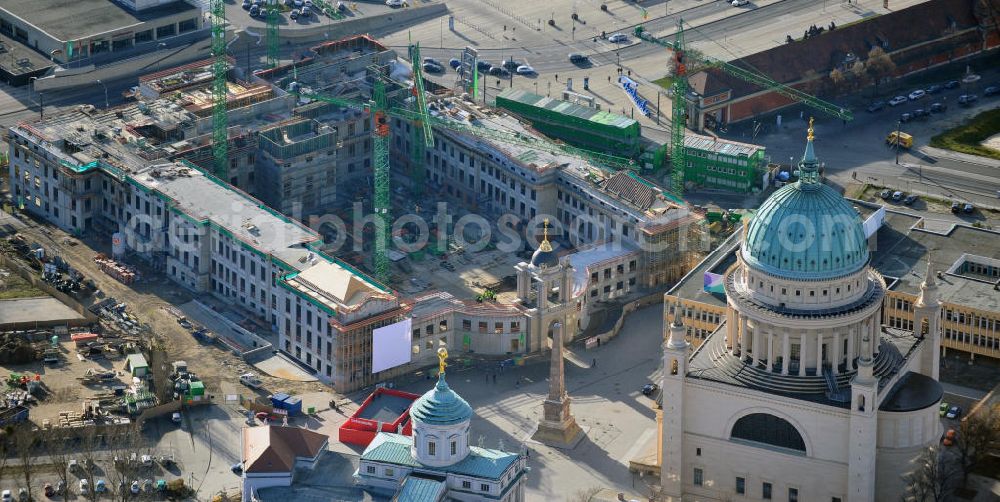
<point x="905" y="140"/>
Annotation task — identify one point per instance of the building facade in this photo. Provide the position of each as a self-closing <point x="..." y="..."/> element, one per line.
<point x="802" y="393"/>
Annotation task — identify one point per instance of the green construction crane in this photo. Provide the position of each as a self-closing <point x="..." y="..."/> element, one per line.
<point x="678" y="121"/>
<point x="273" y="42"/>
<point x="220" y="67"/>
<point x="679" y="88"/>
<point x="382" y="203"/>
<point x="422" y="137"/>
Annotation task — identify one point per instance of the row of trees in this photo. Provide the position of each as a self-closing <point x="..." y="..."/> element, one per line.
<point x="939" y="472"/>
<point x="878" y="68"/>
<point x="116" y="448"/>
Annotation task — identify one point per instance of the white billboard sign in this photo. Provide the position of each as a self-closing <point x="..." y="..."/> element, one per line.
<point x="391" y="345"/>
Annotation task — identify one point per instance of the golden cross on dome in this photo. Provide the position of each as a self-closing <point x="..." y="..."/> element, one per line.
<point x="442" y="355"/>
<point x="810" y="136"/>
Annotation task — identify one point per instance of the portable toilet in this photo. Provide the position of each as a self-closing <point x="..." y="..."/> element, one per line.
<point x="197" y="391"/>
<point x="278" y="400"/>
<point x="293" y="405"/>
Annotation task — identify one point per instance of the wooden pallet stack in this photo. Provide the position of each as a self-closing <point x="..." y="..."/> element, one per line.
<point x="120" y="271"/>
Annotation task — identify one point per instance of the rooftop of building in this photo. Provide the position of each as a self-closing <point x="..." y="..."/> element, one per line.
<point x="601" y="117"/>
<point x="786" y="63"/>
<point x="274" y="449"/>
<point x="417" y="488"/>
<point x="720" y="146"/>
<point x="205" y="198"/>
<point x="642" y="196"/>
<point x="297" y="137"/>
<point x="333" y="283"/>
<point x="79" y="19"/>
<point x="321" y="67"/>
<point x="593" y="257"/>
<point x="434" y="303"/>
<point x="481" y="463"/>
<point x="900" y="254"/>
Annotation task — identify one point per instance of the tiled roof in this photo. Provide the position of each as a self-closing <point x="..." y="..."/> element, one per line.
<point x="421" y="489"/>
<point x="274" y="449"/>
<point x="790" y="62"/>
<point x="394" y="449"/>
<point x="625" y="186"/>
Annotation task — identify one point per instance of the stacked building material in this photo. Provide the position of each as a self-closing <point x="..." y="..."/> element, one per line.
<point x="120" y="271"/>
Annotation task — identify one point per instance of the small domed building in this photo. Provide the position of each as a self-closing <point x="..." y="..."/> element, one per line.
<point x="438" y="463"/>
<point x="802" y="393"/>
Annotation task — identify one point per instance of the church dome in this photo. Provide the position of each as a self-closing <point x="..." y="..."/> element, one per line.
<point x="806" y="230"/>
<point x="441" y="406"/>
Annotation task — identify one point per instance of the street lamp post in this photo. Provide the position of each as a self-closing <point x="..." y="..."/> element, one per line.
<point x="106" y="104"/>
<point x="898" y="124"/>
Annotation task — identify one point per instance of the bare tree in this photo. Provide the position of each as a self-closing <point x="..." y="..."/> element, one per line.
<point x="879" y="65"/>
<point x="25" y="442"/>
<point x="57" y="446"/>
<point x="837" y="78"/>
<point x="975" y="435"/>
<point x="124" y="445"/>
<point x="859" y="74"/>
<point x="90" y="444"/>
<point x="932" y="478"/>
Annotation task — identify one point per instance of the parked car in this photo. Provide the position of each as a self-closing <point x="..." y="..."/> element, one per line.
<point x="294" y="14"/>
<point x="431" y="60"/>
<point x="906" y="117"/>
<point x="49" y="490"/>
<point x="147" y="460"/>
<point x="6" y="496"/>
<point x="885" y="194"/>
<point x="578" y="58"/>
<point x="250" y="380"/>
<point x="100" y="486"/>
<point x="949" y="437"/>
<point x="649" y="389"/>
<point x="254" y="11"/>
<point x="175" y="417"/>
<point x="920" y="112"/>
<point x="938" y="108"/>
<point x="84" y="487"/>
<point x="910" y="199"/>
<point x="246" y="4"/>
<point x="306" y="11"/>
<point x="237" y="469"/>
<point x="432" y="68"/>
<point x="951" y="84"/>
<point x="954" y="412"/>
<point x="934" y="89"/>
<point x="955" y="207"/>
<point x="454" y="63"/>
<point x="134" y="488"/>
<point x="967" y="99"/>
<point x="510" y="64"/>
<point x="618" y="38"/>
<point x="991" y="90"/>
<point x="499" y="71"/>
<point x="876" y="106"/>
<point x="739" y="3"/>
<point x="968" y="208"/>
<point x="898" y="100"/>
<point x="483" y="65"/>
<point x="395" y="3"/>
<point x="897" y="196"/>
<point x="917" y="94"/>
<point x="525" y="70"/>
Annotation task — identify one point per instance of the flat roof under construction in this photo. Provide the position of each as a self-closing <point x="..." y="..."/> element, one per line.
<point x="720" y="146"/>
<point x="79" y="19"/>
<point x="601" y="117"/>
<point x="205" y="198"/>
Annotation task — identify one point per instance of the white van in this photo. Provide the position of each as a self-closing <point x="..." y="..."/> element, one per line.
<point x="250" y="380"/>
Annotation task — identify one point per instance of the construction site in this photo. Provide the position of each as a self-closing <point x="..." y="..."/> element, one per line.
<point x="338" y="187"/>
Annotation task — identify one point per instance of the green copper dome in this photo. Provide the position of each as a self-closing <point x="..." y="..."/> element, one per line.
<point x="441" y="406"/>
<point x="806" y="230"/>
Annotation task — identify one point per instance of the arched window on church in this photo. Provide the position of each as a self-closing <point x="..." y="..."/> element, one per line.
<point x="767" y="429"/>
